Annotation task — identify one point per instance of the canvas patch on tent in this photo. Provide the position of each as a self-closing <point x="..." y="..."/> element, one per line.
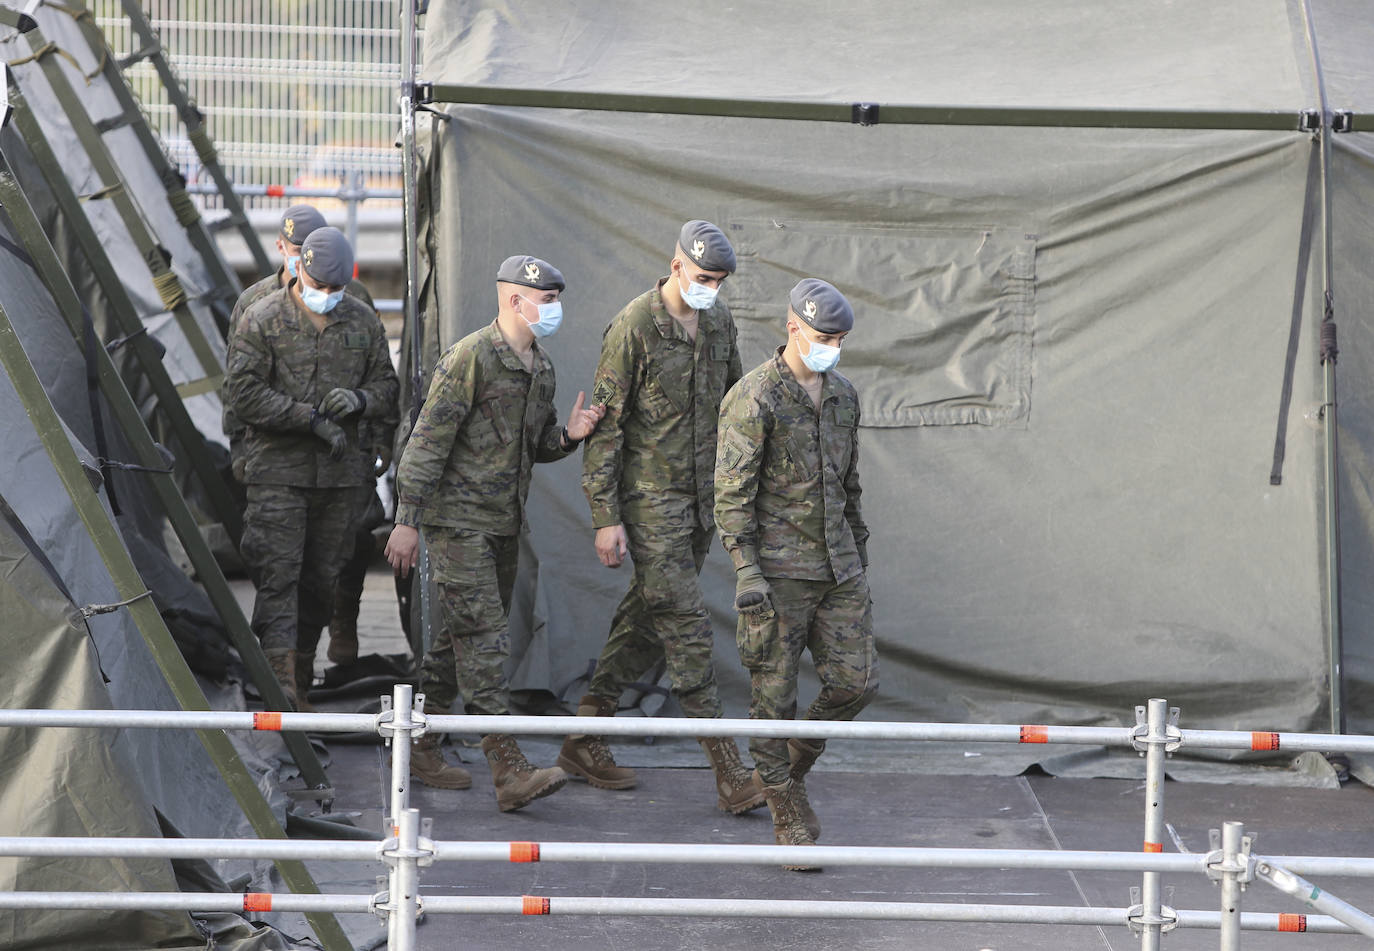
<point x="943" y="317"/>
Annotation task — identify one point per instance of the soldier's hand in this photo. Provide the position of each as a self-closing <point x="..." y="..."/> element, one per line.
<point x="753" y="596"/>
<point x="582" y="421"/>
<point x="612" y="545"/>
<point x="332" y="433"/>
<point x="340" y="402"/>
<point x="403" y="549"/>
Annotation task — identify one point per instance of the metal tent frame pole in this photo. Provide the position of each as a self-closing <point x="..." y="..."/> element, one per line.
<point x="139" y="603"/>
<point x="865" y="113"/>
<point x="194" y="121"/>
<point x="29" y="231"/>
<point x="1328" y="413"/>
<point x="126" y="317"/>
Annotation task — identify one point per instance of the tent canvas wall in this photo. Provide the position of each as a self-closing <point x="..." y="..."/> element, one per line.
<point x="1072" y="343"/>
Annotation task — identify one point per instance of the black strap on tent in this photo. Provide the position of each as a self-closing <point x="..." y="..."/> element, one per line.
<point x="89" y="342"/>
<point x="1311" y="204"/>
<point x="41" y="557"/>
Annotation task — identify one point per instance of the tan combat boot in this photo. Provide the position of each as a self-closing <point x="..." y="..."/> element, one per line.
<point x="305" y="674"/>
<point x="517" y="782"/>
<point x="789" y="828"/>
<point x="588" y="757"/>
<point x="343" y="630"/>
<point x="803" y="755"/>
<point x="428" y="766"/>
<point x="283" y="663"/>
<point x="737" y="792"/>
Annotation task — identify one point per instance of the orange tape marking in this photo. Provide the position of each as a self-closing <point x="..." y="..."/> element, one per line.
<point x="535" y="906"/>
<point x="1154" y="847"/>
<point x="1035" y="734"/>
<point x="267" y="720"/>
<point x="276" y="191"/>
<point x="1290" y="922"/>
<point x="524" y="851"/>
<point x="1264" y="741"/>
<point x="257" y="901"/>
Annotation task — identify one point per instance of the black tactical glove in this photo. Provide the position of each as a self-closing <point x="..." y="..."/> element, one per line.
<point x="341" y="402"/>
<point x="752" y="594"/>
<point x="332" y="433"/>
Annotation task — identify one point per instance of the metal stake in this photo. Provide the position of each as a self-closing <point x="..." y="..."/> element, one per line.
<point x="405" y="882"/>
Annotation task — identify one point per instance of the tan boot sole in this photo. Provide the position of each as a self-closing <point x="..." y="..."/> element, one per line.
<point x="548" y="789"/>
<point x="749" y="805"/>
<point x="459" y="782"/>
<point x="569" y="766"/>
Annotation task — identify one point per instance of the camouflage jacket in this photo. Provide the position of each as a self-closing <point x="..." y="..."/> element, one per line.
<point x="787" y="477"/>
<point x="486" y="422"/>
<point x="279" y="370"/>
<point x="653" y="455"/>
<point x="376" y="432"/>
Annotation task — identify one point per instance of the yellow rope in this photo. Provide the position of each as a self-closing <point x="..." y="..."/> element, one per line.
<point x="169" y="289"/>
<point x="186" y="211"/>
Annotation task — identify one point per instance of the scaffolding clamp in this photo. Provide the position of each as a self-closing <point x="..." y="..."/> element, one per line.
<point x="1138" y="921"/>
<point x="416" y="725"/>
<point x="1242" y="867"/>
<point x="1142" y="740"/>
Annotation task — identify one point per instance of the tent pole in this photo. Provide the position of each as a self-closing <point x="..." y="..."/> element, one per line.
<point x="419" y="586"/>
<point x="29" y="231"/>
<point x="228" y="288"/>
<point x="863" y="113"/>
<point x="116" y="190"/>
<point x="194" y="120"/>
<point x="1329" y="431"/>
<point x="126" y="317"/>
<point x="144" y="613"/>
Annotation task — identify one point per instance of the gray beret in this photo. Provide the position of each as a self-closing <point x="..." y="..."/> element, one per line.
<point x="328" y="257"/>
<point x="707" y="246"/>
<point x="298" y="221"/>
<point x="532" y="272"/>
<point x="821" y="306"/>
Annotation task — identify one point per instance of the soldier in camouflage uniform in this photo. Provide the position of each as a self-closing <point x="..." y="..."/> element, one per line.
<point x="787" y="505"/>
<point x="648" y="470"/>
<point x="379" y="433"/>
<point x="296" y="224"/>
<point x="307" y="364"/>
<point x="463" y="478"/>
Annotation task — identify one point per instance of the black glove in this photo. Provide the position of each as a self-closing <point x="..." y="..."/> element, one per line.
<point x="341" y="402"/>
<point x="753" y="596"/>
<point x="332" y="433"/>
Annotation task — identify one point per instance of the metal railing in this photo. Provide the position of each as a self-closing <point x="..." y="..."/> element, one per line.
<point x="302" y="92"/>
<point x="409" y="846"/>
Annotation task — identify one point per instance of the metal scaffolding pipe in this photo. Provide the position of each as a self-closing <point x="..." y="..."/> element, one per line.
<point x="235" y="902"/>
<point x="192" y="720"/>
<point x="346" y="850"/>
<point x="1313" y="897"/>
<point x="1270" y="742"/>
<point x="1235" y="872"/>
<point x="769" y="908"/>
<point x="699" y="854"/>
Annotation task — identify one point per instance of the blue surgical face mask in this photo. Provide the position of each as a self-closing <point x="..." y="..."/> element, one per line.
<point x="318" y="301"/>
<point x="821" y="358"/>
<point x="550" y="316"/>
<point x="698" y="296"/>
<point x="291" y="265"/>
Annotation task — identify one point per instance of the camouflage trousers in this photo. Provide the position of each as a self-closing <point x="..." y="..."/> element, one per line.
<point x="474" y="574"/>
<point x="663" y="617"/>
<point x="835" y="623"/>
<point x="294" y="540"/>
